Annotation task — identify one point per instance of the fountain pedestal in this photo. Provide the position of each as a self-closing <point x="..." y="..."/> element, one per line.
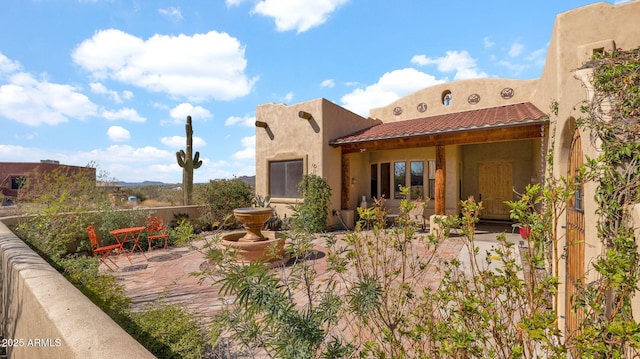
<point x="253" y="219"/>
<point x="253" y="244"/>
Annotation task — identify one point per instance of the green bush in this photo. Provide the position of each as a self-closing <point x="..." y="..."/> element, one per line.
<point x="54" y="229"/>
<point x="174" y="330"/>
<point x="221" y="197"/>
<point x="311" y="215"/>
<point x="112" y="218"/>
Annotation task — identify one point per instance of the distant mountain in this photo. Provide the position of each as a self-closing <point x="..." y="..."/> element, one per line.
<point x="250" y="180"/>
<point x="145" y="183"/>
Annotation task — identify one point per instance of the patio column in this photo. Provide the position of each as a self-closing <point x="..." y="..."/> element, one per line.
<point x="440" y="190"/>
<point x="346" y="175"/>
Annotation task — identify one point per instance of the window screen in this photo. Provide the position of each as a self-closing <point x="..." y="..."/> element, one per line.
<point x="284" y="177"/>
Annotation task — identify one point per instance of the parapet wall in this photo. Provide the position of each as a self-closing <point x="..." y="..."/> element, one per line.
<point x="45" y="316"/>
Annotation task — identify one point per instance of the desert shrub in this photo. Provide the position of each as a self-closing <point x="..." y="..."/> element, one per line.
<point x="113" y="218"/>
<point x="175" y="331"/>
<point x="311" y="215"/>
<point x="221" y="197"/>
<point x="285" y="314"/>
<point x="53" y="226"/>
<point x="182" y="233"/>
<point x="101" y="289"/>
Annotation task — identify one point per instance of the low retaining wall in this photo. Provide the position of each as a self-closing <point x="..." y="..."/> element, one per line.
<point x="166" y="212"/>
<point x="45" y="316"/>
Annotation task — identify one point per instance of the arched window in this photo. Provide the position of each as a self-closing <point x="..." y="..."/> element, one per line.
<point x="447" y="97"/>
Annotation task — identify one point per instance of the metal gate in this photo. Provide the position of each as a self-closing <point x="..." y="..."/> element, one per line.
<point x="575" y="238"/>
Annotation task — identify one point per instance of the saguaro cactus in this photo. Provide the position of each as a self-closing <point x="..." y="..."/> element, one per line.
<point x="188" y="164"/>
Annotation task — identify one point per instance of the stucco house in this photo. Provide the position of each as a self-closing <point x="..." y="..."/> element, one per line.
<point x="480" y="137"/>
<point x="13" y="175"/>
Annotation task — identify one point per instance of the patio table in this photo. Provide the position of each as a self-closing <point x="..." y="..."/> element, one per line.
<point x="132" y="234"/>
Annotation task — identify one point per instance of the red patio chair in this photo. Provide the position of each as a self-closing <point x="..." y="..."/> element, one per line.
<point x="102" y="252"/>
<point x="156" y="229"/>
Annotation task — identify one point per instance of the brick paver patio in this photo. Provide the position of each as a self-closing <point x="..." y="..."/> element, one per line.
<point x="165" y="273"/>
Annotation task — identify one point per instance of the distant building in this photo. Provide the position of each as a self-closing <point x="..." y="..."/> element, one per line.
<point x="480" y="137"/>
<point x="13" y="175"/>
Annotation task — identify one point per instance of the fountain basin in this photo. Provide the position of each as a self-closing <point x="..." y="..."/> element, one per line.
<point x="253" y="219"/>
<point x="270" y="249"/>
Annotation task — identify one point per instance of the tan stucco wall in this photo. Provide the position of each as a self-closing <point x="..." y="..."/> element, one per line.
<point x="290" y="137"/>
<point x="489" y="91"/>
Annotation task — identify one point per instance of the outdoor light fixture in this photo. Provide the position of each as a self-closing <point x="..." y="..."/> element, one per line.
<point x="261" y="124"/>
<point x="305" y="115"/>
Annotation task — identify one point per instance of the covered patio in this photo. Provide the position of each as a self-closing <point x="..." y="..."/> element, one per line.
<point x="485" y="153"/>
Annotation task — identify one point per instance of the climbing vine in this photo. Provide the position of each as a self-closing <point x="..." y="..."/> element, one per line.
<point x="612" y="117"/>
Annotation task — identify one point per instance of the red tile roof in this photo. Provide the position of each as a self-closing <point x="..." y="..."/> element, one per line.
<point x="503" y="116"/>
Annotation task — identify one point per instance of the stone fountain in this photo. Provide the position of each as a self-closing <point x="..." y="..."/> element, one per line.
<point x="254" y="244"/>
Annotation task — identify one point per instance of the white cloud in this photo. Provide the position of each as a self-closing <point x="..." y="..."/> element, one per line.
<point x="198" y="113"/>
<point x="390" y="87"/>
<point x="99" y="88"/>
<point x="288" y="97"/>
<point x="249" y="141"/>
<point x="172" y="13"/>
<point x="198" y="67"/>
<point x="7" y="66"/>
<point x="247" y="121"/>
<point x="487" y="42"/>
<point x="299" y="15"/>
<point x="537" y="57"/>
<point x="34" y="102"/>
<point x="459" y="61"/>
<point x="249" y="151"/>
<point x="328" y="83"/>
<point x="245" y="154"/>
<point x="514" y="68"/>
<point x="118" y="134"/>
<point x="180" y="142"/>
<point x="122" y="162"/>
<point x="516" y="49"/>
<point x="128" y="163"/>
<point x="124" y="113"/>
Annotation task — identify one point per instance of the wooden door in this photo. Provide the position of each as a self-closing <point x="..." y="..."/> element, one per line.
<point x="575" y="239"/>
<point x="495" y="184"/>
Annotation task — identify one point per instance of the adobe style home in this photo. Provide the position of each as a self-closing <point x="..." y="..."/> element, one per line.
<point x="13" y="175"/>
<point x="481" y="138"/>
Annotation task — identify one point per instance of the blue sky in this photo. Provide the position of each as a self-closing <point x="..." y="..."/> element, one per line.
<point x="111" y="82"/>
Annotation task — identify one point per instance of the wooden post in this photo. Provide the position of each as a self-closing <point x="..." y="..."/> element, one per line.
<point x="346" y="181"/>
<point x="440" y="190"/>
